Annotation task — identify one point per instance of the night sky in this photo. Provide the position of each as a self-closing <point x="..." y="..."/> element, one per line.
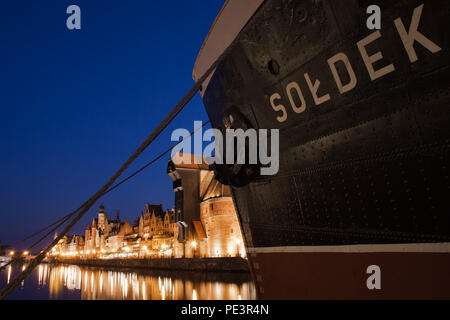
<point x="76" y="103"/>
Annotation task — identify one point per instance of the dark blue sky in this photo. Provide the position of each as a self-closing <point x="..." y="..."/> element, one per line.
<point x="76" y="104"/>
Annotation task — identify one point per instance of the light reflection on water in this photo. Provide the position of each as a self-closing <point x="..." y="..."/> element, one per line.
<point x="75" y="282"/>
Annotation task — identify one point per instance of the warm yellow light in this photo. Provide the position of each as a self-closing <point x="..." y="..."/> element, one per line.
<point x="25" y="253"/>
<point x="194" y="244"/>
<point x="11" y="253"/>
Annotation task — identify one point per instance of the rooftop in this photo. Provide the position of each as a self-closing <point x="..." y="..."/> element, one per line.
<point x="188" y="161"/>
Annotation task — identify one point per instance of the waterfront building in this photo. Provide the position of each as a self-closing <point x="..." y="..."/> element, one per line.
<point x="69" y="245"/>
<point x="75" y="245"/>
<point x="151" y="235"/>
<point x="203" y="223"/>
<point x="156" y="231"/>
<point x="97" y="234"/>
<point x="206" y="223"/>
<point x="154" y="221"/>
<point x="115" y="239"/>
<point x="131" y="240"/>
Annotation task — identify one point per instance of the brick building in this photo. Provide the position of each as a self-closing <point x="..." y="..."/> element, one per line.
<point x="206" y="223"/>
<point x="203" y="223"/>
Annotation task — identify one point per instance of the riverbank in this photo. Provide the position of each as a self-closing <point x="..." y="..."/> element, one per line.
<point x="196" y="264"/>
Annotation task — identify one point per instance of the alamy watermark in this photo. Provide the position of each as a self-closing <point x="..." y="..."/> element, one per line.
<point x="73" y="21"/>
<point x="242" y="147"/>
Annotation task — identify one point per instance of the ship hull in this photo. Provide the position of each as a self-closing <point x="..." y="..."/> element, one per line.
<point x="364" y="147"/>
<point x="343" y="275"/>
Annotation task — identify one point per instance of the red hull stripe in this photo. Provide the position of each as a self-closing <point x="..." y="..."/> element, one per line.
<point x="338" y="275"/>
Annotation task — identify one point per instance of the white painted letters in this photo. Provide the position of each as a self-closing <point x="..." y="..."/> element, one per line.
<point x="314" y="88"/>
<point x="408" y="38"/>
<point x="344" y="59"/>
<point x="302" y="107"/>
<point x="370" y="60"/>
<point x="279" y="107"/>
<point x="373" y="62"/>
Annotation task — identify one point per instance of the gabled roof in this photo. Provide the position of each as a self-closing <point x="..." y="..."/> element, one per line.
<point x="155" y="209"/>
<point x="187" y="161"/>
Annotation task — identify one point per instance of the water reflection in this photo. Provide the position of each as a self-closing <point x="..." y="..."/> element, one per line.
<point x="74" y="282"/>
<point x="9" y="273"/>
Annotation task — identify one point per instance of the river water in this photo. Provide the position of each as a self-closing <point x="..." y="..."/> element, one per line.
<point x="88" y="283"/>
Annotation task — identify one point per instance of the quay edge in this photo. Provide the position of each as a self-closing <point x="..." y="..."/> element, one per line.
<point x="234" y="264"/>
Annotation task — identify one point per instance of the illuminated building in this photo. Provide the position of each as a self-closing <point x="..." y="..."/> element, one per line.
<point x="75" y="244"/>
<point x="151" y="235"/>
<point x="68" y="246"/>
<point x="203" y="224"/>
<point x="206" y="223"/>
<point x="155" y="228"/>
<point x="97" y="234"/>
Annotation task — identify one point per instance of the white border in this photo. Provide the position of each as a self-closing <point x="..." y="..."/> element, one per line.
<point x="441" y="247"/>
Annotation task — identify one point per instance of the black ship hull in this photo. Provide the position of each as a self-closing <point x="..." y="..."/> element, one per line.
<point x="364" y="153"/>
